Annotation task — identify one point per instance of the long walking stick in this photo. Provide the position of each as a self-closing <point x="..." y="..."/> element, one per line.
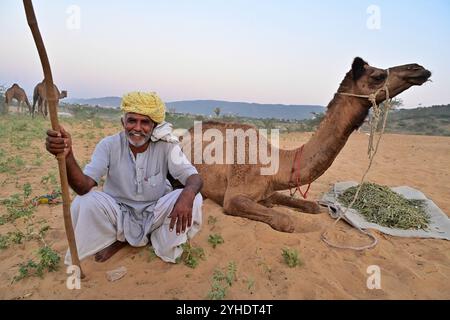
<point x="52" y="103"/>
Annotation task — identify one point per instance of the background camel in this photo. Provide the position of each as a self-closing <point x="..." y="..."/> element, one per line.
<point x="16" y="92"/>
<point x="243" y="191"/>
<point x="40" y="96"/>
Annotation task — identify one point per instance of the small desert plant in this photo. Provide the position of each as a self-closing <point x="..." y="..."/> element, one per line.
<point x="11" y="238"/>
<point x="231" y="273"/>
<point x="18" y="162"/>
<point x="13" y="200"/>
<point x="217" y="292"/>
<point x="215" y="239"/>
<point x="250" y="283"/>
<point x="43" y="230"/>
<point x="290" y="257"/>
<point x="222" y="281"/>
<point x="38" y="159"/>
<point x="30" y="234"/>
<point x="4" y="241"/>
<point x="27" y="190"/>
<point x="16" y="207"/>
<point x="18" y="236"/>
<point x="37" y="162"/>
<point x="50" y="178"/>
<point x="25" y="270"/>
<point x="212" y="220"/>
<point x="151" y="254"/>
<point x="191" y="255"/>
<point x="20" y="143"/>
<point x="11" y="165"/>
<point x="48" y="261"/>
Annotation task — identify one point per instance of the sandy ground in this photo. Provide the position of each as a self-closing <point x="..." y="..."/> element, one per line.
<point x="410" y="268"/>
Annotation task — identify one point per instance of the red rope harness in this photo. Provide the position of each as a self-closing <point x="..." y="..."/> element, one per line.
<point x="298" y="156"/>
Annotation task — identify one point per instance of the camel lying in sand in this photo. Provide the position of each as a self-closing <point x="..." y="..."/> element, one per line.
<point x="244" y="192"/>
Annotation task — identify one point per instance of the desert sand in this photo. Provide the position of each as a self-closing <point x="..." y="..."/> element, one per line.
<point x="410" y="268"/>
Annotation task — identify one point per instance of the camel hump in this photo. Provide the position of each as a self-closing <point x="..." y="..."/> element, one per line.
<point x="223" y="125"/>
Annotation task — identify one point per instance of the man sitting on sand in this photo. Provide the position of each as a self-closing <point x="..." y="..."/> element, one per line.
<point x="137" y="202"/>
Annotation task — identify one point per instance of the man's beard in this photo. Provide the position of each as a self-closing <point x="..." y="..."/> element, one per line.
<point x="135" y="133"/>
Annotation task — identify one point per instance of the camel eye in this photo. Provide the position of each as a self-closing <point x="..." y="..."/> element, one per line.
<point x="379" y="77"/>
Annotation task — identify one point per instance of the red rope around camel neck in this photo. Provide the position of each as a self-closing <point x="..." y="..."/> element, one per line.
<point x="298" y="156"/>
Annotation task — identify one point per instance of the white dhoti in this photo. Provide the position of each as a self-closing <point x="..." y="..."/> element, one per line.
<point x="99" y="221"/>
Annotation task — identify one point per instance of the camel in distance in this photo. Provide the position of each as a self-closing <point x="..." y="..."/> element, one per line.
<point x="40" y="97"/>
<point x="16" y="92"/>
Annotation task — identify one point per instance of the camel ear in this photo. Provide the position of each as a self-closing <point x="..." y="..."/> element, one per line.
<point x="358" y="68"/>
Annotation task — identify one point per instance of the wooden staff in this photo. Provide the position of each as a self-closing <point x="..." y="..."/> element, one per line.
<point x="52" y="103"/>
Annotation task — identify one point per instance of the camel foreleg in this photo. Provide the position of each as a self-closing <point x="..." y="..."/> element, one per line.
<point x="30" y="110"/>
<point x="245" y="207"/>
<point x="303" y="205"/>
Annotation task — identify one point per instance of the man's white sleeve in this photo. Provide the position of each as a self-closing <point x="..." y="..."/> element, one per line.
<point x="99" y="164"/>
<point x="179" y="166"/>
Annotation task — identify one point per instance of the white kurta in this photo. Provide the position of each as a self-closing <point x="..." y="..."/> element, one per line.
<point x="136" y="198"/>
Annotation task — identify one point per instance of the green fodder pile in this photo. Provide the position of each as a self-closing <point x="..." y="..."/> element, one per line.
<point x="380" y="205"/>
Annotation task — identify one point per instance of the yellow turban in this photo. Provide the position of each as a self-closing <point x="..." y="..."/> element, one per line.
<point x="147" y="104"/>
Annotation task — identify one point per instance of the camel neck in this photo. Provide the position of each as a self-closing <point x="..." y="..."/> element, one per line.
<point x="344" y="115"/>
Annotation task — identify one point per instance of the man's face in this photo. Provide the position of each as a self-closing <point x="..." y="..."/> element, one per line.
<point x="138" y="128"/>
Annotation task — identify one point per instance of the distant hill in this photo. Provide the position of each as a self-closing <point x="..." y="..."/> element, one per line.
<point x="434" y="120"/>
<point x="206" y="108"/>
<point x="111" y="102"/>
<point x="430" y="121"/>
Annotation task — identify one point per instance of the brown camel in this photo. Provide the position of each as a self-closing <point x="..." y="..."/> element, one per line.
<point x="40" y="96"/>
<point x="244" y="192"/>
<point x="16" y="92"/>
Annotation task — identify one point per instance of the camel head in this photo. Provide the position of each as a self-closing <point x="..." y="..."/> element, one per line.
<point x="364" y="79"/>
<point x="63" y="94"/>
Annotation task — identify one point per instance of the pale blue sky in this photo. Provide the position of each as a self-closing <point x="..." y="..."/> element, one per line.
<point x="267" y="51"/>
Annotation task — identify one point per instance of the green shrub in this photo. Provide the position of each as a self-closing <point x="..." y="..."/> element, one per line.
<point x="290" y="257"/>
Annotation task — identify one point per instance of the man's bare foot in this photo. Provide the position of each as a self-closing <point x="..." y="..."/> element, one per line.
<point x="108" y="252"/>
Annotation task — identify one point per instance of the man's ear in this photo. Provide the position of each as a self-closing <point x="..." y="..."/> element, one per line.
<point x="358" y="68"/>
<point x="122" y="121"/>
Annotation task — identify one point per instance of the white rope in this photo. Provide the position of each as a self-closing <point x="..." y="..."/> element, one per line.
<point x="375" y="119"/>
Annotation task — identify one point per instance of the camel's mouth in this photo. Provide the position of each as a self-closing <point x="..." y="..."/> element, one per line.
<point x="419" y="77"/>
